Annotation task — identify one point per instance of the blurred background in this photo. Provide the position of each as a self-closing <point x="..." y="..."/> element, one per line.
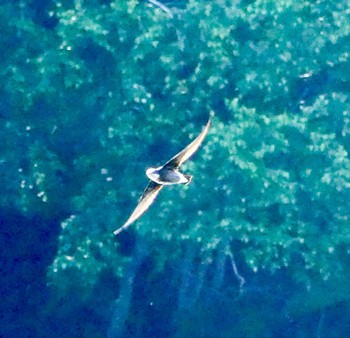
<point x="93" y="92"/>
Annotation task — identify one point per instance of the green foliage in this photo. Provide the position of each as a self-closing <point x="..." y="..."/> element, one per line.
<point x="96" y="91"/>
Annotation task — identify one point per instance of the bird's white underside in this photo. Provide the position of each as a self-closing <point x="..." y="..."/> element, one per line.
<point x="152" y="174"/>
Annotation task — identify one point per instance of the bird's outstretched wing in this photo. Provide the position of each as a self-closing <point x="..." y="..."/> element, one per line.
<point x="145" y="201"/>
<point x="185" y="154"/>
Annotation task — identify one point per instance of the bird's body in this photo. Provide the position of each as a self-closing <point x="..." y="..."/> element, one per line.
<point x="167" y="174"/>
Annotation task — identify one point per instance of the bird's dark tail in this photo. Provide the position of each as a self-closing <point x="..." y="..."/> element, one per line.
<point x="188" y="178"/>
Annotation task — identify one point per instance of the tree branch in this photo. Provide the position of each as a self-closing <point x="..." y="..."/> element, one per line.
<point x="123" y="303"/>
<point x="235" y="270"/>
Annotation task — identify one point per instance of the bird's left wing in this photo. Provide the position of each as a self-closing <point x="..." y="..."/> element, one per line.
<point x="185" y="154"/>
<point x="145" y="201"/>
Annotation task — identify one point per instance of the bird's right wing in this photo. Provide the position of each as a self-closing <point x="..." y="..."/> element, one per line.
<point x="186" y="153"/>
<point x="145" y="201"/>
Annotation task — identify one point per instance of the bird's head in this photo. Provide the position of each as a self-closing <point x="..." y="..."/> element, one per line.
<point x="152" y="173"/>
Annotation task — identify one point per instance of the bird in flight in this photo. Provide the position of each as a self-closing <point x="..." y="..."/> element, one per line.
<point x="166" y="174"/>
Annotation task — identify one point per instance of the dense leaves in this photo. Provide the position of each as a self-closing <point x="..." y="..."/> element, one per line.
<point x="96" y="91"/>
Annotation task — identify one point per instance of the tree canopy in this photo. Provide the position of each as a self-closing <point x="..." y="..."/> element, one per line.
<point x="93" y="92"/>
